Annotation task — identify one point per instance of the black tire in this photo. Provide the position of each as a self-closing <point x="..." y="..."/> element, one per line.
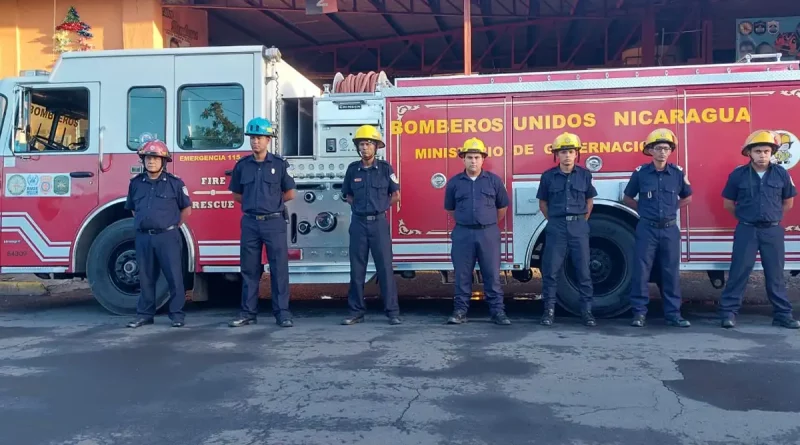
<point x="612" y="243"/>
<point x="113" y="273"/>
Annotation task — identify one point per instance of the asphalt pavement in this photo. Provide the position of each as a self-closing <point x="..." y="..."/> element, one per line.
<point x="72" y="374"/>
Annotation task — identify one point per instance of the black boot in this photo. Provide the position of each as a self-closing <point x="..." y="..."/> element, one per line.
<point x="139" y="322"/>
<point x="549" y="316"/>
<point x="353" y="320"/>
<point x="785" y="321"/>
<point x="677" y="321"/>
<point x="458" y="317"/>
<point x="587" y="317"/>
<point x="501" y="318"/>
<point x="728" y="321"/>
<point x="242" y="321"/>
<point x="638" y="321"/>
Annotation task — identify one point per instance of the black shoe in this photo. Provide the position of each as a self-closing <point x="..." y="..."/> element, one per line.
<point x="728" y="321"/>
<point x="458" y="317"/>
<point x="548" y="317"/>
<point x="242" y="321"/>
<point x="177" y="324"/>
<point x="588" y="319"/>
<point x="139" y="322"/>
<point x="501" y="318"/>
<point x="678" y="322"/>
<point x="395" y="321"/>
<point x="638" y="321"/>
<point x="353" y="320"/>
<point x="786" y="321"/>
<point x="285" y="323"/>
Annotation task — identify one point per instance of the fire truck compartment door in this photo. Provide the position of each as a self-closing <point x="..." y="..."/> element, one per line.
<point x="525" y="201"/>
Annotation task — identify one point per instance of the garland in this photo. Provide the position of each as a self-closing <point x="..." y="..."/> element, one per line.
<point x="72" y="24"/>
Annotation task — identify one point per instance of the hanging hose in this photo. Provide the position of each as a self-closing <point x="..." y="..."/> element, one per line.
<point x="359" y="83"/>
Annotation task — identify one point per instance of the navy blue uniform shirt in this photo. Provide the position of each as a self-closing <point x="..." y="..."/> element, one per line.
<point x="475" y="202"/>
<point x="261" y="184"/>
<point x="659" y="191"/>
<point x="157" y="203"/>
<point x="566" y="194"/>
<point x="759" y="199"/>
<point x="371" y="187"/>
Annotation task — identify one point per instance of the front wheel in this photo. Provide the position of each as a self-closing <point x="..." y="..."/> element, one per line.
<point x="611" y="254"/>
<point x="113" y="271"/>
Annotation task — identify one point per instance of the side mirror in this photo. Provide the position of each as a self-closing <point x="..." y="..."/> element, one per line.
<point x="22" y="126"/>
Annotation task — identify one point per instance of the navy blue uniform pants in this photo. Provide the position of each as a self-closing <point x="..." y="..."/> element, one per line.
<point x="272" y="234"/>
<point x="665" y="244"/>
<point x="371" y="235"/>
<point x="747" y="240"/>
<point x="482" y="245"/>
<point x="160" y="252"/>
<point x="564" y="237"/>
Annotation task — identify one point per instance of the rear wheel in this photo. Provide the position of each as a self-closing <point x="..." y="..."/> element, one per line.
<point x="113" y="271"/>
<point x="611" y="244"/>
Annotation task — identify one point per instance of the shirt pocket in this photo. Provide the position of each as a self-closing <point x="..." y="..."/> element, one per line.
<point x="743" y="192"/>
<point x="669" y="195"/>
<point x="774" y="188"/>
<point x="166" y="200"/>
<point x="577" y="192"/>
<point x="488" y="196"/>
<point x="247" y="179"/>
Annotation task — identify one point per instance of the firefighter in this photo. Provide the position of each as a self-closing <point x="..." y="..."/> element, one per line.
<point x="477" y="200"/>
<point x="160" y="204"/>
<point x="662" y="188"/>
<point x="261" y="183"/>
<point x="757" y="194"/>
<point x="566" y="198"/>
<point x="371" y="188"/>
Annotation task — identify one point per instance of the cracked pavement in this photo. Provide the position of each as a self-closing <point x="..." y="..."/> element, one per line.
<point x="73" y="375"/>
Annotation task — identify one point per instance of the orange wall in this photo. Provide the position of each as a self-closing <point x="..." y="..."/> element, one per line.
<point x="27" y="28"/>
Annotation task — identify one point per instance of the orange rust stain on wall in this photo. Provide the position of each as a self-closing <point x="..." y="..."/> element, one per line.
<point x="27" y="29"/>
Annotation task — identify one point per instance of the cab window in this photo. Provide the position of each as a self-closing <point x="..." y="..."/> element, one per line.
<point x="59" y="120"/>
<point x="147" y="113"/>
<point x="211" y="117"/>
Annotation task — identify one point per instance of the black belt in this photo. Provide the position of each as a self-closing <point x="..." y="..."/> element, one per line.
<point x="155" y="231"/>
<point x="761" y="224"/>
<point x="660" y="224"/>
<point x="369" y="216"/>
<point x="476" y="226"/>
<point x="266" y="216"/>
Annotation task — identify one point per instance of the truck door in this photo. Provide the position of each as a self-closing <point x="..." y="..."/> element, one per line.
<point x="484" y="119"/>
<point x="709" y="228"/>
<point x="51" y="182"/>
<point x="213" y="107"/>
<point x="418" y="149"/>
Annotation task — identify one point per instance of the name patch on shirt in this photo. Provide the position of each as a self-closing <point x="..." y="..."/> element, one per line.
<point x="356" y="179"/>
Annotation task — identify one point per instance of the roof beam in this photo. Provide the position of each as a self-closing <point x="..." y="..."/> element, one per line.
<point x="381" y="6"/>
<point x="285" y="23"/>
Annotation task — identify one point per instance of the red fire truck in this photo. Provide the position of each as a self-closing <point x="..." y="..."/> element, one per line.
<point x="69" y="138"/>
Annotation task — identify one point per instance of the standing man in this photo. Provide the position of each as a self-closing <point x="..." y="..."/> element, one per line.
<point x="261" y="184"/>
<point x="757" y="194"/>
<point x="371" y="188"/>
<point x="662" y="189"/>
<point x="477" y="200"/>
<point x="160" y="204"/>
<point x="566" y="196"/>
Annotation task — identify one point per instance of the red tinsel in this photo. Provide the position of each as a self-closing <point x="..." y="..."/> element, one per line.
<point x="74" y="27"/>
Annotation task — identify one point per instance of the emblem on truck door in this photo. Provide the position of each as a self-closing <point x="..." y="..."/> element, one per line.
<point x="438" y="180"/>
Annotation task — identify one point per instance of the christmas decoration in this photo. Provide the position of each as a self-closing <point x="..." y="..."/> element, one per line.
<point x="72" y="23"/>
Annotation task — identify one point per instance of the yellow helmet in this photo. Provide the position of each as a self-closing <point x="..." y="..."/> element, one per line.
<point x="566" y="141"/>
<point x="785" y="138"/>
<point x="473" y="145"/>
<point x="368" y="133"/>
<point x="657" y="136"/>
<point x="761" y="137"/>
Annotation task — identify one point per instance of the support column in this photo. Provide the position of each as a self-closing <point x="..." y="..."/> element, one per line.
<point x="648" y="36"/>
<point x="142" y="24"/>
<point x="467" y="38"/>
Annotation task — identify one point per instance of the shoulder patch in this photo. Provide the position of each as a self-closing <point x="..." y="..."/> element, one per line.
<point x="185" y="190"/>
<point x="639" y="168"/>
<point x="394" y="179"/>
<point x="791" y="180"/>
<point x="677" y="166"/>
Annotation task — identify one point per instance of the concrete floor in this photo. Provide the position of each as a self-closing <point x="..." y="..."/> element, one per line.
<point x="72" y="374"/>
